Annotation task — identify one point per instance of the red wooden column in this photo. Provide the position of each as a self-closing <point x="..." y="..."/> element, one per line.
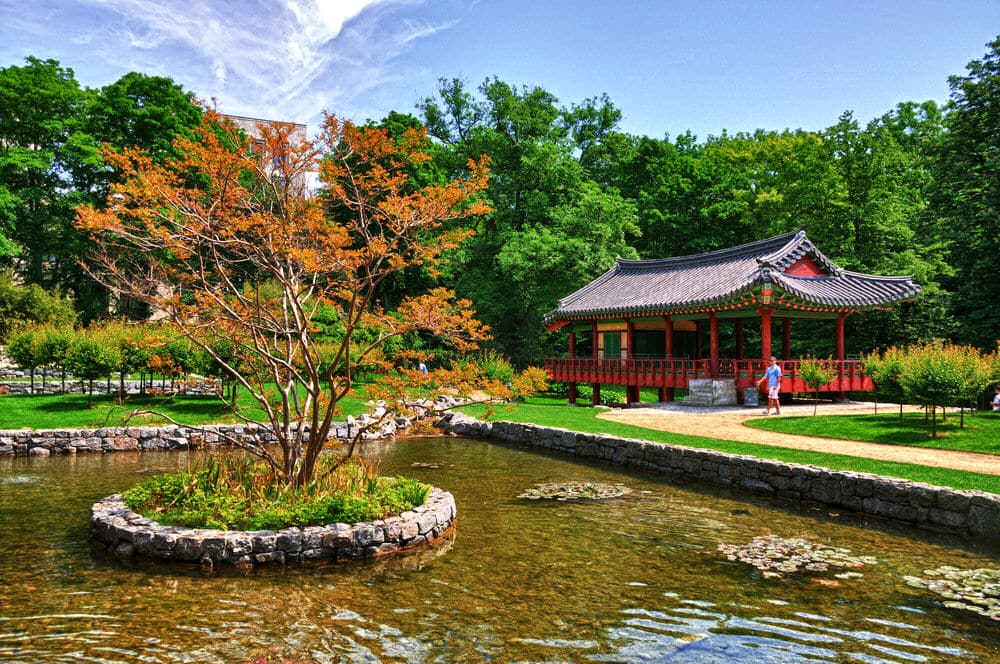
<point x="765" y="332"/>
<point x="631" y="391"/>
<point x="713" y="344"/>
<point x="667" y="393"/>
<point x="839" y="346"/>
<point x="786" y="339"/>
<point x="739" y="338"/>
<point x="572" y="354"/>
<point x="697" y="340"/>
<point x="595" y="388"/>
<point x="840" y="336"/>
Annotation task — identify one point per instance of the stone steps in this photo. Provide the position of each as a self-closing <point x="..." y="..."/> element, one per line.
<point x="708" y="392"/>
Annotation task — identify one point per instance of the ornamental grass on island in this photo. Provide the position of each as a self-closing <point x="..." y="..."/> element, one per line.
<point x="238" y="492"/>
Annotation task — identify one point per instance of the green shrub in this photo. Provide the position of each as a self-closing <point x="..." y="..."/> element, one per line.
<point x="237" y="492"/>
<point x="496" y="366"/>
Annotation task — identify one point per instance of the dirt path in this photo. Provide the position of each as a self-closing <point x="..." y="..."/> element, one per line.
<point x="727" y="423"/>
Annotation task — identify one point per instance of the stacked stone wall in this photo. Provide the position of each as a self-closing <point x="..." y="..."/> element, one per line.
<point x="127" y="534"/>
<point x="46" y="442"/>
<point x="54" y="385"/>
<point x="974" y="513"/>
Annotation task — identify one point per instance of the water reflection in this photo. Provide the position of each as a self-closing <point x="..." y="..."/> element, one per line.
<point x="631" y="579"/>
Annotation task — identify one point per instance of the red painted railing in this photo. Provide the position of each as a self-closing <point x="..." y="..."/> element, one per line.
<point x="677" y="373"/>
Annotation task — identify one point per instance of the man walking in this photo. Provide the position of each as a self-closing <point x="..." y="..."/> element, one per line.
<point x="773" y="375"/>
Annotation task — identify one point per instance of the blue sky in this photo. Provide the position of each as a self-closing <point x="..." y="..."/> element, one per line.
<point x="670" y="66"/>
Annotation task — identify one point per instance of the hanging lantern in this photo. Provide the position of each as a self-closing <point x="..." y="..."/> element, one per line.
<point x="766" y="293"/>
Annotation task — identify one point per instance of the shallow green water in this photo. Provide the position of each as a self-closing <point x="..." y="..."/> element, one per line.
<point x="632" y="579"/>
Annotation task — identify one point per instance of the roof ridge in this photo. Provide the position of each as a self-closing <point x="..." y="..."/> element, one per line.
<point x="708" y="257"/>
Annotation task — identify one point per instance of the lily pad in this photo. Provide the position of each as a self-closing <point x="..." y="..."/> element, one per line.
<point x="575" y="491"/>
<point x="974" y="590"/>
<point x="776" y="556"/>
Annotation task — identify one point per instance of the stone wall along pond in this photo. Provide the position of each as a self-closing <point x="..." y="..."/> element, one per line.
<point x="377" y="425"/>
<point x="974" y="513"/>
<point x="45" y="442"/>
<point x="126" y="535"/>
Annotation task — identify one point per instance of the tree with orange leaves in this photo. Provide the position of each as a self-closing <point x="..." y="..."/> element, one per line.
<point x="228" y="244"/>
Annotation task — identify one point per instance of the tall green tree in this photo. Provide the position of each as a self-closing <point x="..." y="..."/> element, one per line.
<point x="967" y="193"/>
<point x="51" y="131"/>
<point x="885" y="168"/>
<point x="42" y="108"/>
<point x="553" y="228"/>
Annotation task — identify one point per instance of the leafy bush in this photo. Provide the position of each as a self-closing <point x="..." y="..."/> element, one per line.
<point x="496" y="366"/>
<point x="237" y="492"/>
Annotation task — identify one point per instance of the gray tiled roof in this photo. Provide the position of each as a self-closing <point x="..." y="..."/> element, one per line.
<point x="718" y="277"/>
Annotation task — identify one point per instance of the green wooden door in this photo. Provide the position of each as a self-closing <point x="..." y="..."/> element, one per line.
<point x="612" y="345"/>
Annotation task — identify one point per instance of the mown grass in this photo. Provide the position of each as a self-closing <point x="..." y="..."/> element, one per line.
<point x="83" y="411"/>
<point x="980" y="434"/>
<point x="555" y="413"/>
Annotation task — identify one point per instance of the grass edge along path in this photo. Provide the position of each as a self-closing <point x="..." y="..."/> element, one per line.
<point x="980" y="435"/>
<point x="550" y="412"/>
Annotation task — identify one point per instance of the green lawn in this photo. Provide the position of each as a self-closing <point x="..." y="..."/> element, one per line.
<point x="554" y="412"/>
<point x="981" y="432"/>
<point x="75" y="411"/>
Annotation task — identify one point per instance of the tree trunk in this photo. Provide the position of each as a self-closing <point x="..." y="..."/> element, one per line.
<point x="961" y="417"/>
<point x="121" y="387"/>
<point x="64" y="379"/>
<point x="43" y="380"/>
<point x="876" y="403"/>
<point x="31" y="384"/>
<point x="934" y="422"/>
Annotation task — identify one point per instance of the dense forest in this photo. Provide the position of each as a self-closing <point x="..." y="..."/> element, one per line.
<point x="915" y="191"/>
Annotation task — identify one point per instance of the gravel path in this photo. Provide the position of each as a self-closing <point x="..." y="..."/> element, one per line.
<point x="727" y="423"/>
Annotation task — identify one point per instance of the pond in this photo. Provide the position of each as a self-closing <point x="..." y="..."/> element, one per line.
<point x="635" y="578"/>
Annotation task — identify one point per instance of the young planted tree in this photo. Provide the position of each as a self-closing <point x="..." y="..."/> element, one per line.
<point x="815" y="374"/>
<point x="227" y="242"/>
<point x="976" y="371"/>
<point x="91" y="357"/>
<point x="932" y="377"/>
<point x="23" y="349"/>
<point x="53" y="349"/>
<point x="885" y="370"/>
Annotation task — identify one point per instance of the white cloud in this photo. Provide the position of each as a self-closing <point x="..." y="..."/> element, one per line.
<point x="286" y="59"/>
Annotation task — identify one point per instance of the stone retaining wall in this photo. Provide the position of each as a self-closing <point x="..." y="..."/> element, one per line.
<point x="127" y="534"/>
<point x="45" y="442"/>
<point x="53" y="385"/>
<point x="973" y="513"/>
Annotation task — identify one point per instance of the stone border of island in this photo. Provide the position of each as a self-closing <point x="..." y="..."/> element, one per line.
<point x="971" y="513"/>
<point x="126" y="534"/>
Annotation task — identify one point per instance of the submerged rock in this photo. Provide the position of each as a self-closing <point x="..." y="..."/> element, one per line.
<point x="575" y="491"/>
<point x="975" y="590"/>
<point x="776" y="556"/>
